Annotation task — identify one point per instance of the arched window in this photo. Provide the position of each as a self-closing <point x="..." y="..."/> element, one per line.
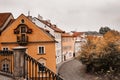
<point x="23" y="29"/>
<point x="5" y="65"/>
<point x="43" y="62"/>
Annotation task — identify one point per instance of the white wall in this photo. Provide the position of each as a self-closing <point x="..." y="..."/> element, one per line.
<point x="57" y="36"/>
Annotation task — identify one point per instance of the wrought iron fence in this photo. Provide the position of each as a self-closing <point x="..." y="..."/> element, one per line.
<point x="36" y="71"/>
<point x="33" y="70"/>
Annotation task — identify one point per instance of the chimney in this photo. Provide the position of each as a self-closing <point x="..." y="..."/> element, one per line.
<point x="29" y="17"/>
<point x="48" y="20"/>
<point x="40" y="17"/>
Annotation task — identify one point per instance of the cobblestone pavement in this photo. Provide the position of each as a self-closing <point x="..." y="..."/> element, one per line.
<point x="74" y="70"/>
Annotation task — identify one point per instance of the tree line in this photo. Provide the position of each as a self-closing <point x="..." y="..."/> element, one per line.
<point x="101" y="55"/>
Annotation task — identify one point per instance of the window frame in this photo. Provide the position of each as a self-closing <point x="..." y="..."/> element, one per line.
<point x="41" y="52"/>
<point x="5" y="67"/>
<point x="23" y="29"/>
<point x="23" y="37"/>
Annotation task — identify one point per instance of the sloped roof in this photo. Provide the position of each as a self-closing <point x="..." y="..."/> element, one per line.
<point x="3" y="18"/>
<point x="75" y="34"/>
<point x="10" y="22"/>
<point x="47" y="31"/>
<point x="52" y="26"/>
<point x="92" y="33"/>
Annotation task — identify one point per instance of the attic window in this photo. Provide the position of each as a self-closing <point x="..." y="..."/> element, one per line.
<point x="23" y="29"/>
<point x="22" y="21"/>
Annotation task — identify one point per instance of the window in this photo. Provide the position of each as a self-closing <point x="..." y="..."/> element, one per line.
<point x="23" y="29"/>
<point x="22" y="21"/>
<point x="41" y="50"/>
<point x="41" y="68"/>
<point x="5" y="67"/>
<point x="43" y="62"/>
<point x="23" y="39"/>
<point x="5" y="49"/>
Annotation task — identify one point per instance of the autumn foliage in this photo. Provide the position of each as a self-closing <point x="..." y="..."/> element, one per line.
<point x="102" y="54"/>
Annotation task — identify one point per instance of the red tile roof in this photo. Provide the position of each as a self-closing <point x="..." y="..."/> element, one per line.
<point x="3" y="18"/>
<point x="10" y="22"/>
<point x="52" y="26"/>
<point x="75" y="34"/>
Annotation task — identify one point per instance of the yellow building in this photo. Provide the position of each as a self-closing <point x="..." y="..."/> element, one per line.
<point x="39" y="43"/>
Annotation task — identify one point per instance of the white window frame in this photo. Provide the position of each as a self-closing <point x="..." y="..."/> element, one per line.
<point x="39" y="50"/>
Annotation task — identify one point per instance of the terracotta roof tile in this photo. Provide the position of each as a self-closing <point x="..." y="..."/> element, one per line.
<point x="9" y="23"/>
<point x="3" y="18"/>
<point x="75" y="34"/>
<point x="52" y="26"/>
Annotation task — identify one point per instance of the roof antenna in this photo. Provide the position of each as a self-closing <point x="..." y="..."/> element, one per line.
<point x="28" y="13"/>
<point x="30" y="17"/>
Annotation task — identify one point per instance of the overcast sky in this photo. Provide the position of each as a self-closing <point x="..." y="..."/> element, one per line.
<point x="69" y="15"/>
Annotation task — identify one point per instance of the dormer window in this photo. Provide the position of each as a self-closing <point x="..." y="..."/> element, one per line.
<point x="22" y="28"/>
<point x="22" y="32"/>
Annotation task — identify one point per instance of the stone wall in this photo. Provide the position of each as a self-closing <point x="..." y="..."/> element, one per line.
<point x="3" y="77"/>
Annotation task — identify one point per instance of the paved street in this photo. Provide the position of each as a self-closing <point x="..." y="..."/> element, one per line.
<point x="74" y="70"/>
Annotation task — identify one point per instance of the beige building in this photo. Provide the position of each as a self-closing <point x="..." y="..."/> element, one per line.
<point x="67" y="46"/>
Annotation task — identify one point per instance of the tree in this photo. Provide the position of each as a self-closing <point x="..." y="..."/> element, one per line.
<point x="102" y="54"/>
<point x="104" y="30"/>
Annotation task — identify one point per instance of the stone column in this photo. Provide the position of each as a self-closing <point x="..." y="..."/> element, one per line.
<point x="19" y="62"/>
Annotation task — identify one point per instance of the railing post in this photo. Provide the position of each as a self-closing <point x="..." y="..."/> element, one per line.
<point x="19" y="63"/>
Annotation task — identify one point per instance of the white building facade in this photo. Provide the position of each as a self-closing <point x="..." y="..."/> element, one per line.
<point x="80" y="40"/>
<point x="54" y="31"/>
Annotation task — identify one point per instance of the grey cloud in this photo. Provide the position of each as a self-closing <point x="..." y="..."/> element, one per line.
<point x="69" y="14"/>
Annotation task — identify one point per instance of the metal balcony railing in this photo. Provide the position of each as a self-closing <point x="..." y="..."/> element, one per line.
<point x="22" y="40"/>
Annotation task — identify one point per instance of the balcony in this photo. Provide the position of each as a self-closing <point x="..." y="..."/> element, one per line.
<point x="22" y="40"/>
